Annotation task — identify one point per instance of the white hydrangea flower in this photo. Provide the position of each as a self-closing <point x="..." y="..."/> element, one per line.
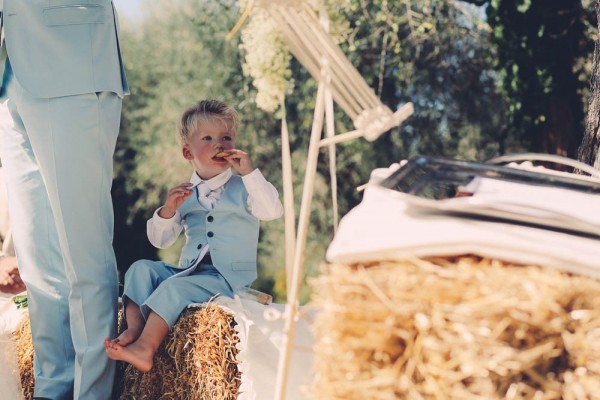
<point x="267" y="58"/>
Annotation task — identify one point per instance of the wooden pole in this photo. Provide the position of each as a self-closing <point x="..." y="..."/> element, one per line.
<point x="288" y="199"/>
<point x="330" y="127"/>
<point x="291" y="309"/>
<point x="330" y="133"/>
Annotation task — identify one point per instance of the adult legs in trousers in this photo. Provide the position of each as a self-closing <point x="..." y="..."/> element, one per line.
<point x="58" y="163"/>
<point x="39" y="251"/>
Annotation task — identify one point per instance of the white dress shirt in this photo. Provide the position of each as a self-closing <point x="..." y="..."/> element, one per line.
<point x="263" y="203"/>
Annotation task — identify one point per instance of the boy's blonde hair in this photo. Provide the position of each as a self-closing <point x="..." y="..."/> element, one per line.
<point x="206" y="110"/>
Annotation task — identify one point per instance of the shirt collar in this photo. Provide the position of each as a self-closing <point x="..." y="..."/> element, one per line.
<point x="214" y="182"/>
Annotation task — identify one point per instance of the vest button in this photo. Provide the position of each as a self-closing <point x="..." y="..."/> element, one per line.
<point x="210" y="218"/>
<point x="210" y="234"/>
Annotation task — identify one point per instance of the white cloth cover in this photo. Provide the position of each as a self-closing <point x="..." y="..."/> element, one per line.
<point x="389" y="225"/>
<point x="260" y="330"/>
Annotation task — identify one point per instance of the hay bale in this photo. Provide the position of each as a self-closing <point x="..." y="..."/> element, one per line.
<point x="25" y="352"/>
<point x="461" y="328"/>
<point x="197" y="361"/>
<point x="24" y="346"/>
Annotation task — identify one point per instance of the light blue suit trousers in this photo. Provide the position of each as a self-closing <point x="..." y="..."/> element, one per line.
<point x="58" y="165"/>
<point x="65" y="99"/>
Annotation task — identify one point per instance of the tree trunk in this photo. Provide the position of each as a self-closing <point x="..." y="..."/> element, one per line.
<point x="589" y="151"/>
<point x="561" y="133"/>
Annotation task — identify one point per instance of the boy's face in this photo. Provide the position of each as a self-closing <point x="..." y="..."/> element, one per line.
<point x="210" y="137"/>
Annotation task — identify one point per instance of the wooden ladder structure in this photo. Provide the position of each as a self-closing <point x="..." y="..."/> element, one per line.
<point x="306" y="35"/>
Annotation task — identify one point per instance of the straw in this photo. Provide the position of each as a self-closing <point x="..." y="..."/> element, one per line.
<point x="196" y="361"/>
<point x="24" y="345"/>
<point x="455" y="328"/>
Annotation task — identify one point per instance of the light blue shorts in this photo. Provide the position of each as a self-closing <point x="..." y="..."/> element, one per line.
<point x="151" y="285"/>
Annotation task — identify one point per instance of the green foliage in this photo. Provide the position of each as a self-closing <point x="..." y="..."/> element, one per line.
<point x="542" y="55"/>
<point x="177" y="57"/>
<point x="20" y="301"/>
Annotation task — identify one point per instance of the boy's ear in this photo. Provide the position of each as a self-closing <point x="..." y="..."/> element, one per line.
<point x="187" y="154"/>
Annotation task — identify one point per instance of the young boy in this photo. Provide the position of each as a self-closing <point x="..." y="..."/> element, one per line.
<point x="220" y="213"/>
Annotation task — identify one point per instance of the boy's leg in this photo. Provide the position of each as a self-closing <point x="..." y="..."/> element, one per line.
<point x="163" y="308"/>
<point x="141" y="279"/>
<point x="169" y="299"/>
<point x="174" y="295"/>
<point x="140" y="353"/>
<point x="135" y="325"/>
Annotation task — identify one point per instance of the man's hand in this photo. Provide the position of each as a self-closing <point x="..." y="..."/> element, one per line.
<point x="10" y="280"/>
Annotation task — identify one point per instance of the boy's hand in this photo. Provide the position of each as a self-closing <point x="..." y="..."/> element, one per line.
<point x="175" y="199"/>
<point x="240" y="161"/>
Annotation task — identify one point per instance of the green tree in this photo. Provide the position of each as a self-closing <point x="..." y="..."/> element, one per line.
<point x="540" y="46"/>
<point x="589" y="149"/>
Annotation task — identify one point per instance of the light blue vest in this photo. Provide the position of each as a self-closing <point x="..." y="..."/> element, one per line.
<point x="63" y="47"/>
<point x="230" y="231"/>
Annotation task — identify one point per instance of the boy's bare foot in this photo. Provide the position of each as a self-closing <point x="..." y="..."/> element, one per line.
<point x="135" y="354"/>
<point x="127" y="337"/>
